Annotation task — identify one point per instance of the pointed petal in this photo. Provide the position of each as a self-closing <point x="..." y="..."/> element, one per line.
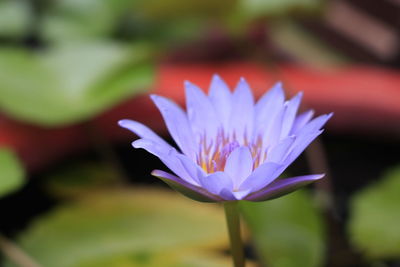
<point x="315" y="125"/>
<point x="282" y="186"/>
<point x="261" y="177"/>
<point x="201" y="113"/>
<point x="239" y="165"/>
<point x="301" y="120"/>
<point x="267" y="108"/>
<point x="290" y="114"/>
<point x="300" y="144"/>
<point x="305" y="136"/>
<point x="191" y="168"/>
<point x="214" y="183"/>
<point x="186" y="189"/>
<point x="169" y="156"/>
<point x="142" y="131"/>
<point x="177" y="124"/>
<point x="242" y="115"/>
<point x="221" y="98"/>
<point x="278" y="152"/>
<point x="272" y="134"/>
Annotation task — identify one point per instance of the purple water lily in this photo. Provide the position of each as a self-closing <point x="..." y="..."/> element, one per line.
<point x="231" y="148"/>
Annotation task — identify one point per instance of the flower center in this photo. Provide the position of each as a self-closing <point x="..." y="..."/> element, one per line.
<point x="213" y="153"/>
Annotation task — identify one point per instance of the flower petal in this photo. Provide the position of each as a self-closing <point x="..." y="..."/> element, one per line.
<point x="261" y="177"/>
<point x="242" y="115"/>
<point x="221" y="98"/>
<point x="301" y="120"/>
<point x="278" y="152"/>
<point x="271" y="136"/>
<point x="315" y="125"/>
<point x="142" y="131"/>
<point x="188" y="190"/>
<point x="305" y="136"/>
<point x="239" y="165"/>
<point x="177" y="123"/>
<point x="282" y="186"/>
<point x="169" y="156"/>
<point x="290" y="114"/>
<point x="227" y="195"/>
<point x="267" y="108"/>
<point x="191" y="168"/>
<point x="216" y="182"/>
<point x="239" y="195"/>
<point x="201" y="113"/>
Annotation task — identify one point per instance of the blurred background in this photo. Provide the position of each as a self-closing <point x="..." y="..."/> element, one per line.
<point x="73" y="192"/>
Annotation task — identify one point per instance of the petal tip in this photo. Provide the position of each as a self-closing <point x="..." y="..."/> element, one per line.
<point x="216" y="77"/>
<point x="123" y="123"/>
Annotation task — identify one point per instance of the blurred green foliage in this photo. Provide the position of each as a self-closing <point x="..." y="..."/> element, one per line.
<point x="76" y="179"/>
<point x="14" y="18"/>
<point x="65" y="61"/>
<point x="375" y="216"/>
<point x="72" y="82"/>
<point x="139" y="227"/>
<point x="254" y="8"/>
<point x="288" y="231"/>
<point x="12" y="173"/>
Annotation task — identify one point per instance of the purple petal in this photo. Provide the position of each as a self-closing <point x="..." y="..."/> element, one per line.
<point x="290" y="114"/>
<point x="177" y="123"/>
<point x="282" y="186"/>
<point x="315" y="125"/>
<point x="242" y="115"/>
<point x="301" y="120"/>
<point x="227" y="195"/>
<point x="216" y="182"/>
<point x="271" y="136"/>
<point x="201" y="113"/>
<point x="278" y="152"/>
<point x="142" y="131"/>
<point x="239" y="195"/>
<point x="300" y="144"/>
<point x="169" y="156"/>
<point x="188" y="190"/>
<point x="267" y="108"/>
<point x="191" y="168"/>
<point x="261" y="177"/>
<point x="239" y="165"/>
<point x="221" y="98"/>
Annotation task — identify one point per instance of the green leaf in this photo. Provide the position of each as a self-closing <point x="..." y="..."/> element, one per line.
<point x="14" y="18"/>
<point x="76" y="20"/>
<point x="70" y="83"/>
<point x="139" y="227"/>
<point x="11" y="172"/>
<point x="375" y="217"/>
<point x="287" y="232"/>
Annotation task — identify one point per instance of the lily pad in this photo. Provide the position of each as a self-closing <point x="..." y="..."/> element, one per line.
<point x="11" y="172"/>
<point x="374" y="222"/>
<point x="70" y="83"/>
<point x="287" y="232"/>
<point x="140" y="227"/>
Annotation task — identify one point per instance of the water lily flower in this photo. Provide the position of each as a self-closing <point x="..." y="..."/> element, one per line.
<point x="231" y="147"/>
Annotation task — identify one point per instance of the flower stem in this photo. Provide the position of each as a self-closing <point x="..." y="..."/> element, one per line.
<point x="233" y="222"/>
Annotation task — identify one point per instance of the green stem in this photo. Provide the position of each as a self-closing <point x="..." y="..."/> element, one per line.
<point x="233" y="222"/>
